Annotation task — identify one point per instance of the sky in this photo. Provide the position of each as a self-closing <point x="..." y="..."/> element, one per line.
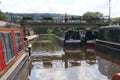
<point x="72" y="7"/>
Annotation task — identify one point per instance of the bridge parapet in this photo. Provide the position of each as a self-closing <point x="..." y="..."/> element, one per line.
<point x="62" y="24"/>
<point x="71" y="22"/>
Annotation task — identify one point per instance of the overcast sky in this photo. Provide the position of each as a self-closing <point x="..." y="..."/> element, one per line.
<point x="74" y="7"/>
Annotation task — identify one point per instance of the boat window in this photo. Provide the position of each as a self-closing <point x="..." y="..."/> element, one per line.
<point x="119" y="36"/>
<point x="106" y="35"/>
<point x="7" y="46"/>
<point x="18" y="41"/>
<point x="101" y="34"/>
<point x="89" y="35"/>
<point x="112" y="35"/>
<point x="72" y="35"/>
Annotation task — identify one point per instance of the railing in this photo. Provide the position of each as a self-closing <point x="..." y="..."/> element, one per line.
<point x="87" y="20"/>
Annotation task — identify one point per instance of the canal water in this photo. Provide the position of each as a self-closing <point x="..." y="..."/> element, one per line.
<point x="51" y="61"/>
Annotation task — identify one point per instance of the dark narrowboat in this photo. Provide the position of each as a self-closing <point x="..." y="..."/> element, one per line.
<point x="109" y="39"/>
<point x="72" y="38"/>
<point x="90" y="37"/>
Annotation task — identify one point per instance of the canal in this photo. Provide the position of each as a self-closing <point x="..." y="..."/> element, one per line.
<point x="52" y="61"/>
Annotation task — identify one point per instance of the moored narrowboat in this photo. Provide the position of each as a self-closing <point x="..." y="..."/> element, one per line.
<point x="80" y="38"/>
<point x="12" y="50"/>
<point x="109" y="39"/>
<point x="90" y="37"/>
<point x="72" y="38"/>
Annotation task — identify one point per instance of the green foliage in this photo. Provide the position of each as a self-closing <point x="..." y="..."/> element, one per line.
<point x="57" y="31"/>
<point x="47" y="19"/>
<point x="40" y="30"/>
<point x="19" y="20"/>
<point x="50" y="31"/>
<point x="27" y="17"/>
<point x="93" y="14"/>
<point x="115" y="20"/>
<point x="36" y="21"/>
<point x="3" y="17"/>
<point x="93" y="17"/>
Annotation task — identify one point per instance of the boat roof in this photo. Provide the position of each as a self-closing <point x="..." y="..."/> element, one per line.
<point x="4" y="24"/>
<point x="111" y="26"/>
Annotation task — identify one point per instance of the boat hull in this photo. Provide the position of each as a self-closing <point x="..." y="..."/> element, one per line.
<point x="107" y="47"/>
<point x="72" y="42"/>
<point x="91" y="43"/>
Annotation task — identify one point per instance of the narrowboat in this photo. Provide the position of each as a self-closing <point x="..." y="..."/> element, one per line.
<point x="90" y="37"/>
<point x="109" y="39"/>
<point x="12" y="50"/>
<point x="80" y="38"/>
<point x="72" y="38"/>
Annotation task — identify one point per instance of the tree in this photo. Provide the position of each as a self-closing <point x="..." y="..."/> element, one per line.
<point x="3" y="16"/>
<point x="93" y="17"/>
<point x="115" y="20"/>
<point x="47" y="19"/>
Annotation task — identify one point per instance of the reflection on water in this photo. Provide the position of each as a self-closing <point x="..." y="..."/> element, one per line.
<point x="108" y="64"/>
<point x="45" y="45"/>
<point x="70" y="63"/>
